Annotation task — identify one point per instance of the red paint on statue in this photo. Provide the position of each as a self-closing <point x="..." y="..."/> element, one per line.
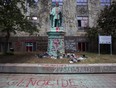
<point x="57" y="29"/>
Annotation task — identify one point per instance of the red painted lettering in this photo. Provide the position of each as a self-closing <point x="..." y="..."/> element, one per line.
<point x="48" y="82"/>
<point x="31" y="82"/>
<point x="20" y="82"/>
<point x="41" y="82"/>
<point x="12" y="82"/>
<point x="64" y="83"/>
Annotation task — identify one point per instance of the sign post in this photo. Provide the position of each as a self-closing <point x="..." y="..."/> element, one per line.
<point x="105" y="40"/>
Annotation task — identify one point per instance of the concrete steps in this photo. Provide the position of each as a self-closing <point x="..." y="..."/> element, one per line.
<point x="57" y="68"/>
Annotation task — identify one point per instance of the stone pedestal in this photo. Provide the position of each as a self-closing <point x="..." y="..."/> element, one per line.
<point x="56" y="42"/>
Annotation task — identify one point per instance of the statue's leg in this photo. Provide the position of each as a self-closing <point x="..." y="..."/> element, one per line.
<point x="56" y="22"/>
<point x="59" y="25"/>
<point x="53" y="23"/>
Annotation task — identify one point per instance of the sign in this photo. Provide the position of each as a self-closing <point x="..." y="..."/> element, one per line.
<point x="105" y="40"/>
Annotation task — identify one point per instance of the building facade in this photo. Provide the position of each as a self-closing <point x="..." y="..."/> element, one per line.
<point x="77" y="15"/>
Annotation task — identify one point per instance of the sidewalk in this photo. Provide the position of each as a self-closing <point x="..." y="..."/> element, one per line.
<point x="57" y="68"/>
<point x="57" y="80"/>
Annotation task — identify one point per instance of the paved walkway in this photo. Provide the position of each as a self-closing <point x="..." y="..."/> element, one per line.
<point x="57" y="80"/>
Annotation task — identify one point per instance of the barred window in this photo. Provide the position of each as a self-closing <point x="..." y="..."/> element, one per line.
<point x="105" y="2"/>
<point x="82" y="2"/>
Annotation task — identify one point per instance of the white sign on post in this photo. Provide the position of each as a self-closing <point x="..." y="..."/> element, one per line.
<point x="105" y="40"/>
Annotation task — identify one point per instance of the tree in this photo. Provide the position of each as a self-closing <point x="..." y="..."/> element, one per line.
<point x="107" y="20"/>
<point x="92" y="34"/>
<point x="12" y="19"/>
<point x="31" y="2"/>
<point x="106" y="24"/>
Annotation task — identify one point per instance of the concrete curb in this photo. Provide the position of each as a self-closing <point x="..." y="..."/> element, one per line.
<point x="57" y="68"/>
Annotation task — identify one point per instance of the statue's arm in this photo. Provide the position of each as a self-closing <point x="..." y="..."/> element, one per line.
<point x="51" y="16"/>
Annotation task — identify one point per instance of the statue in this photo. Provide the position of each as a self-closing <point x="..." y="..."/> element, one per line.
<point x="56" y="16"/>
<point x="56" y="33"/>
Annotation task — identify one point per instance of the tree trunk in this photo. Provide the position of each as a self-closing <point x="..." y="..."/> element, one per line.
<point x="6" y="42"/>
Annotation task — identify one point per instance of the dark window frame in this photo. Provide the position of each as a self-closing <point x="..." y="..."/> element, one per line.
<point x="80" y="19"/>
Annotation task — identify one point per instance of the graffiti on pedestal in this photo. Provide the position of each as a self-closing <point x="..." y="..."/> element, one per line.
<point x="56" y="33"/>
<point x="55" y="45"/>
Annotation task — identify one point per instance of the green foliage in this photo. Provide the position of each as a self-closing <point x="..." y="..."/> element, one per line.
<point x="106" y="23"/>
<point x="92" y="33"/>
<point x="107" y="20"/>
<point x="12" y="19"/>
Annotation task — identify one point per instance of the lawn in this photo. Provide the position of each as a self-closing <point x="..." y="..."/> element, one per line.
<point x="32" y="58"/>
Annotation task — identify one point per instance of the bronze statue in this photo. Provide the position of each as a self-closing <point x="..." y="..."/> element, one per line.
<point x="56" y="16"/>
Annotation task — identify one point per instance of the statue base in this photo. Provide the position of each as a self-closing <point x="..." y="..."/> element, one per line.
<point x="56" y="29"/>
<point x="56" y="43"/>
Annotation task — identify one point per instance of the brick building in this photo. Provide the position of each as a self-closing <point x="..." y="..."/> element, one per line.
<point x="77" y="14"/>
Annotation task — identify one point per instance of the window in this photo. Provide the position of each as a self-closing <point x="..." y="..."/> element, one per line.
<point x="79" y="23"/>
<point x="59" y="1"/>
<point x="105" y="2"/>
<point x="30" y="46"/>
<point x="82" y="46"/>
<point x="81" y="2"/>
<point x="34" y="18"/>
<point x="82" y="22"/>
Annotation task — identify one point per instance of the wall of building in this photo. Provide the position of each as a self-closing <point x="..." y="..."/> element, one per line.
<point x="35" y="44"/>
<point x="72" y="15"/>
<point x="94" y="9"/>
<point x="69" y="15"/>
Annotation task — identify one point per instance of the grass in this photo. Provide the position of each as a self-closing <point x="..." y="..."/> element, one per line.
<point x="103" y="58"/>
<point x="31" y="58"/>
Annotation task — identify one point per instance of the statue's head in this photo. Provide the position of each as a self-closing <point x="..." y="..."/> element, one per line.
<point x="57" y="4"/>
